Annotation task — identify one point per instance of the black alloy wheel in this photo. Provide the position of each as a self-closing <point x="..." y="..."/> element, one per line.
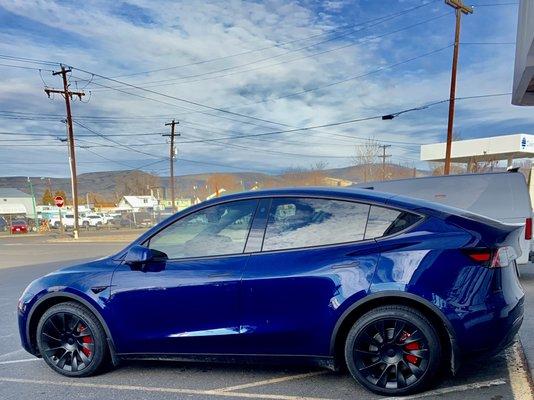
<point x="67" y="341"/>
<point x="71" y="340"/>
<point x="393" y="350"/>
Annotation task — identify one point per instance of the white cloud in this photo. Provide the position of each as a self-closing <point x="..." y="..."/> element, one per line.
<point x="168" y="33"/>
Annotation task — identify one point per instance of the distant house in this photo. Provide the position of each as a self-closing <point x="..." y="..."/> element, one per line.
<point x="138" y="203"/>
<point x="218" y="193"/>
<point x="180" y="203"/>
<point x="337" y="182"/>
<point x="15" y="202"/>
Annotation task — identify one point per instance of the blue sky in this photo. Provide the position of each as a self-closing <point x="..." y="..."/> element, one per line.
<point x="275" y="65"/>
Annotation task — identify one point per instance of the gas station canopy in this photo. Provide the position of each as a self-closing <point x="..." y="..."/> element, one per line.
<point x="506" y="147"/>
<point x="523" y="93"/>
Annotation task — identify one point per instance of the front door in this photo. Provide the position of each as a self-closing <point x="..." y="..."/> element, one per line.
<point x="190" y="303"/>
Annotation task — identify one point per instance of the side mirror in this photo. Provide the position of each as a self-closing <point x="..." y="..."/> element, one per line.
<point x="142" y="258"/>
<point x="138" y="255"/>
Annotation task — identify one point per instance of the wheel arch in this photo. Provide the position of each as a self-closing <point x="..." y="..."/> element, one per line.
<point x="51" y="299"/>
<point x="445" y="330"/>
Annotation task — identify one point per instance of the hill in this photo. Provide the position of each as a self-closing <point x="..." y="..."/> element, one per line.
<point x="111" y="185"/>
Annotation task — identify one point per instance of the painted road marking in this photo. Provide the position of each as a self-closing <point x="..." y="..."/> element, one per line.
<point x="158" y="389"/>
<point x="517" y="371"/>
<point x="19" y="361"/>
<point x="11" y="353"/>
<point x="452" y="389"/>
<point x="271" y="381"/>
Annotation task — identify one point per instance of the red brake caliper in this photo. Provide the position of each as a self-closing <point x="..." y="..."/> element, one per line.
<point x="85" y="339"/>
<point x="410" y="346"/>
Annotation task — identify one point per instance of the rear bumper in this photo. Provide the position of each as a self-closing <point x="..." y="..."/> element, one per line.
<point x="491" y="333"/>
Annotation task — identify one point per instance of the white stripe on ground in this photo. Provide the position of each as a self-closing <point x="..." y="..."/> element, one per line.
<point x="157" y="389"/>
<point x="19" y="361"/>
<point x="270" y="381"/>
<point x="11" y="353"/>
<point x="452" y="389"/>
<point x="517" y="371"/>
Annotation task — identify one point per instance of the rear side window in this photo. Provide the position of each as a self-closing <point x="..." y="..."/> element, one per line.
<point x="301" y="222"/>
<point x="386" y="221"/>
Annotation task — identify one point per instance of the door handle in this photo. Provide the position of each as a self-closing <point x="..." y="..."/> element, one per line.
<point x="348" y="264"/>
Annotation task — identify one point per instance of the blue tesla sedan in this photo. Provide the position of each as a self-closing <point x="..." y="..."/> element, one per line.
<point x="393" y="288"/>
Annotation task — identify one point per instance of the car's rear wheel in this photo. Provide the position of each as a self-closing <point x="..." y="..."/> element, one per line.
<point x="71" y="340"/>
<point x="393" y="350"/>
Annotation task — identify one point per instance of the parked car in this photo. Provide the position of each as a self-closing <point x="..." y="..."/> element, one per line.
<point x="393" y="287"/>
<point x="19" y="226"/>
<point x="503" y="196"/>
<point x="121" y="222"/>
<point x="92" y="220"/>
<point x="67" y="219"/>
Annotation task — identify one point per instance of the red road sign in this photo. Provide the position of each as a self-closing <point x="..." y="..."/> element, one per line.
<point x="59" y="201"/>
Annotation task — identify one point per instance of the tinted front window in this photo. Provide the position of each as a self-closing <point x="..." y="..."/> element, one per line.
<point x="385" y="221"/>
<point x="216" y="230"/>
<point x="299" y="222"/>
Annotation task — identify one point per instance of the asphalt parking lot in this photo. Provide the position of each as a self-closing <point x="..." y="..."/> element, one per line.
<point x="23" y="259"/>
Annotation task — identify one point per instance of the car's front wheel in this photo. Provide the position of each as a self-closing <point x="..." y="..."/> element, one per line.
<point x="393" y="350"/>
<point x="71" y="340"/>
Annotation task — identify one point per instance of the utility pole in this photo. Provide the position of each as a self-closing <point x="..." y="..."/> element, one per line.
<point x="35" y="220"/>
<point x="172" y="154"/>
<point x="68" y="95"/>
<point x="460" y="8"/>
<point x="383" y="157"/>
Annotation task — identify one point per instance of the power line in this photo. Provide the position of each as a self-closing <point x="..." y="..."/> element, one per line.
<point x="25" y="67"/>
<point x="363" y="119"/>
<point x="387" y="17"/>
<point x="265" y="100"/>
<point x="28" y="60"/>
<point x="182" y="80"/>
<point x="177" y="98"/>
<point x="112" y="140"/>
<point x="372" y="72"/>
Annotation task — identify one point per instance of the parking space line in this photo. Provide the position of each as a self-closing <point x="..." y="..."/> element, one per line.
<point x="517" y="371"/>
<point x="452" y="389"/>
<point x="270" y="381"/>
<point x="157" y="389"/>
<point x="11" y="353"/>
<point x="19" y="361"/>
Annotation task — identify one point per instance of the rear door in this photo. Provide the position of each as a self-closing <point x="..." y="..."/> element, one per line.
<point x="313" y="258"/>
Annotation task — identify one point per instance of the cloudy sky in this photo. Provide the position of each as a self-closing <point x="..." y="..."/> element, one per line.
<point x="241" y="77"/>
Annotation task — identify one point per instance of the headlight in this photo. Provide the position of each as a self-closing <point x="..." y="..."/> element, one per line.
<point x="24" y="299"/>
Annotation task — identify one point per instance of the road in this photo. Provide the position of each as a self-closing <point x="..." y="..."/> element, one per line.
<point x="24" y="377"/>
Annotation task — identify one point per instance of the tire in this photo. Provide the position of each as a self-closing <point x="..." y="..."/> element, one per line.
<point x="405" y="363"/>
<point x="84" y="341"/>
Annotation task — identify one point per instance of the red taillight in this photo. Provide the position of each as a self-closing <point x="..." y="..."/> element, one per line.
<point x="501" y="257"/>
<point x="528" y="229"/>
<point x="479" y="255"/>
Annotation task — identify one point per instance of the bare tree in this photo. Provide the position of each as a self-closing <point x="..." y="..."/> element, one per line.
<point x="228" y="182"/>
<point x="136" y="183"/>
<point x="366" y="159"/>
<point x="317" y="173"/>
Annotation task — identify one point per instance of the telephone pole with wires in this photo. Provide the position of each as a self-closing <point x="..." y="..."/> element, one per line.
<point x="68" y="96"/>
<point x="383" y="157"/>
<point x="172" y="155"/>
<point x="460" y="8"/>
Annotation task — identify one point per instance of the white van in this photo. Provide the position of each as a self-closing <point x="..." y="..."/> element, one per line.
<point x="503" y="196"/>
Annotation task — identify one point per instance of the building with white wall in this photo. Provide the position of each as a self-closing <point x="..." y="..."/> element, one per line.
<point x="523" y="90"/>
<point x="495" y="148"/>
<point x="15" y="202"/>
